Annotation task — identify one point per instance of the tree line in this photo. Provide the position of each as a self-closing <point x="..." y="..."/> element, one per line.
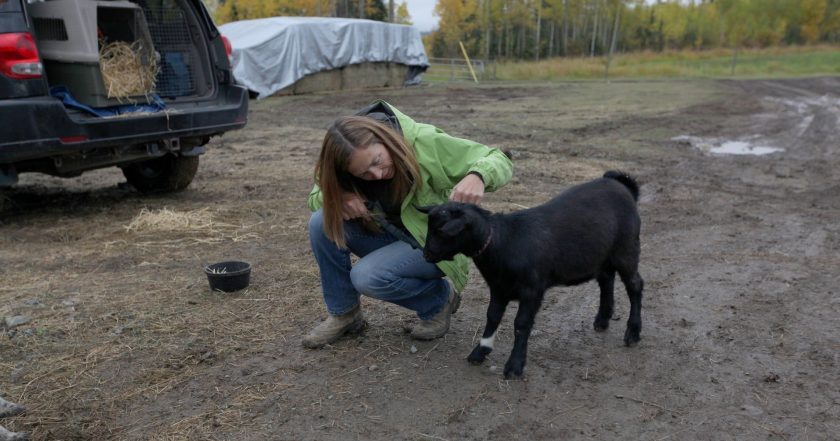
<point x="535" y="29"/>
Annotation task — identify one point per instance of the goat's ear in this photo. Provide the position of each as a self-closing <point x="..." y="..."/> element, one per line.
<point x="424" y="209"/>
<point x="453" y="228"/>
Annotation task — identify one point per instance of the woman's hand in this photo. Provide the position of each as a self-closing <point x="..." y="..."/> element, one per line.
<point x="470" y="189"/>
<point x="353" y="206"/>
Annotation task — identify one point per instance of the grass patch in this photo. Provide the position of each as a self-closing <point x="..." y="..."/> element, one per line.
<point x="772" y="62"/>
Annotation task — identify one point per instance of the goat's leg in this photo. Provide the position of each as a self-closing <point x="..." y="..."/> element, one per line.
<point x="495" y="312"/>
<point x="522" y="331"/>
<point x="634" y="285"/>
<point x="606" y="281"/>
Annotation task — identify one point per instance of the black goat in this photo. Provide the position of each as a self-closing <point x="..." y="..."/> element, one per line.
<point x="589" y="231"/>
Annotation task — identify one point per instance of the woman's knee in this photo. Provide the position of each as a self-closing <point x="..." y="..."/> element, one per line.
<point x="368" y="280"/>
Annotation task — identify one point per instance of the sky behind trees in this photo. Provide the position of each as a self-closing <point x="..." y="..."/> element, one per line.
<point x="422" y="14"/>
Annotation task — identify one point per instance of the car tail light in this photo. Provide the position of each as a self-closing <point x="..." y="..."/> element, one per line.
<point x="72" y="139"/>
<point x="228" y="47"/>
<point x="19" y="56"/>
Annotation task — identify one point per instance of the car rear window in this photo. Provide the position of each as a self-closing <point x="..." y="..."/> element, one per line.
<point x="9" y="5"/>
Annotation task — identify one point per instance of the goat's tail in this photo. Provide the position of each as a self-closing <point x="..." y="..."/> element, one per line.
<point x="625" y="179"/>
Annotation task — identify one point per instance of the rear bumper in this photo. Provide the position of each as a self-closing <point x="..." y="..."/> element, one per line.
<point x="40" y="127"/>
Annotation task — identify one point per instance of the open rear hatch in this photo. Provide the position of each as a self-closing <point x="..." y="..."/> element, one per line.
<point x="162" y="44"/>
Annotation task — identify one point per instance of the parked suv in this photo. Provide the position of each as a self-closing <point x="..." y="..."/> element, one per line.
<point x="43" y="45"/>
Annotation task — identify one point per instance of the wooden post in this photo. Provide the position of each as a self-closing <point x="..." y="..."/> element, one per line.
<point x="466" y="57"/>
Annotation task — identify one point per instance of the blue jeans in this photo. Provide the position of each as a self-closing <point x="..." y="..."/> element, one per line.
<point x="388" y="269"/>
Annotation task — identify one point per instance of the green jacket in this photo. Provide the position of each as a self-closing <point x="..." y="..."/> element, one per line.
<point x="444" y="160"/>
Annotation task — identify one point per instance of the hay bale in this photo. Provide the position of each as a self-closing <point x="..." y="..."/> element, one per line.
<point x="128" y="70"/>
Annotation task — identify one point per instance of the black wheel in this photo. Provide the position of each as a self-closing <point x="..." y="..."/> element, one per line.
<point x="165" y="174"/>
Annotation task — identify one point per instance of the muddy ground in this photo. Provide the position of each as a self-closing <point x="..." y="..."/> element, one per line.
<point x="740" y="340"/>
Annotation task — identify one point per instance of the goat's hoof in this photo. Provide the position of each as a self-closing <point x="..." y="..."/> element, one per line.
<point x="601" y="324"/>
<point x="632" y="336"/>
<point x="513" y="369"/>
<point x="478" y="354"/>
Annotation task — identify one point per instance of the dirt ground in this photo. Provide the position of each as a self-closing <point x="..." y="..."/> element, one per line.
<point x="740" y="340"/>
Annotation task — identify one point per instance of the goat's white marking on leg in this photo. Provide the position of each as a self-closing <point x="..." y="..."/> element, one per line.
<point x="488" y="342"/>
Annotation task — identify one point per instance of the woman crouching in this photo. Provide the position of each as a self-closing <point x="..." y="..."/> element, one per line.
<point x="374" y="169"/>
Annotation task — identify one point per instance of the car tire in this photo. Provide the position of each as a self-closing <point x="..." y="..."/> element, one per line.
<point x="168" y="173"/>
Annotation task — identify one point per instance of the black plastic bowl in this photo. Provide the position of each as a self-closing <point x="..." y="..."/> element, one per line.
<point x="228" y="276"/>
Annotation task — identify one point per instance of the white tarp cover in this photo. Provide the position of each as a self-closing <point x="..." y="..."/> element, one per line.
<point x="272" y="53"/>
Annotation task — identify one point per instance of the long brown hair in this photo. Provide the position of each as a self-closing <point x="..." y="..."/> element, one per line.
<point x="344" y="136"/>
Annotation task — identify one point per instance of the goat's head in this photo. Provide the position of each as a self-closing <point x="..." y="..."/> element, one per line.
<point x="453" y="228"/>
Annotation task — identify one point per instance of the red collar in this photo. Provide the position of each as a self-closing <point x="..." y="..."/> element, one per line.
<point x="486" y="244"/>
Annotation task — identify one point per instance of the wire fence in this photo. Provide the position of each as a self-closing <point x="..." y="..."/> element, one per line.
<point x="457" y="69"/>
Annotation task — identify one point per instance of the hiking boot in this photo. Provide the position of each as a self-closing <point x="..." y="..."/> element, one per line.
<point x="334" y="327"/>
<point x="438" y="325"/>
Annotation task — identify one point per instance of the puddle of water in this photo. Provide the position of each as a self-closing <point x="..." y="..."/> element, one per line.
<point x="723" y="147"/>
<point x="742" y="148"/>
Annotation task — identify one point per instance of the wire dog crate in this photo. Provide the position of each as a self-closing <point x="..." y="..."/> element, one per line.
<point x="170" y="32"/>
